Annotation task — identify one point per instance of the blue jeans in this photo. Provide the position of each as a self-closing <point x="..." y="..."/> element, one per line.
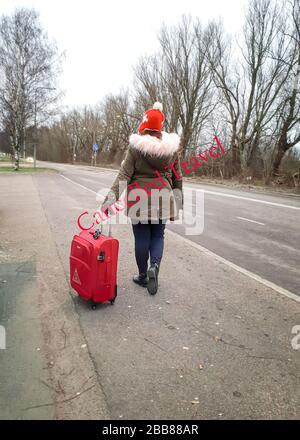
<point x="149" y="240"/>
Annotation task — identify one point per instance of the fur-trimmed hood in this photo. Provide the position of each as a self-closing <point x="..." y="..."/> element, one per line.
<point x="153" y="146"/>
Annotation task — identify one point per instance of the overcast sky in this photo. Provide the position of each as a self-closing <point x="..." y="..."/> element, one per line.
<point x="104" y="38"/>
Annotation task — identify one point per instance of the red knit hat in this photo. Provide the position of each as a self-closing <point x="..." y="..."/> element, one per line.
<point x="153" y="119"/>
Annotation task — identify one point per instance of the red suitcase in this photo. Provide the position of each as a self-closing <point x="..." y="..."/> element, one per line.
<point x="93" y="266"/>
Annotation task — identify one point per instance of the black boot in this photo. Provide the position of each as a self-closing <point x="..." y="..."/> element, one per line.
<point x="141" y="280"/>
<point x="152" y="285"/>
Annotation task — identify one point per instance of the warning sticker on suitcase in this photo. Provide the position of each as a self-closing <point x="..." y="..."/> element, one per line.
<point x="76" y="278"/>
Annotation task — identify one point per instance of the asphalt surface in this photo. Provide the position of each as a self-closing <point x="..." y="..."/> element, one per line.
<point x="46" y="371"/>
<point x="212" y="344"/>
<point x="18" y="310"/>
<point x="259" y="232"/>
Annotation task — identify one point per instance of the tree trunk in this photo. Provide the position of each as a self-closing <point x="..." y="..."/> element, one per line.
<point x="185" y="140"/>
<point x="16" y="151"/>
<point x="277" y="162"/>
<point x="254" y="160"/>
<point x="282" y="148"/>
<point x="236" y="161"/>
<point x="17" y="158"/>
<point x="283" y="145"/>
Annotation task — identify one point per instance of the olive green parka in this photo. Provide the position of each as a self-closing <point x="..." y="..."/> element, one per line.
<point x="152" y="176"/>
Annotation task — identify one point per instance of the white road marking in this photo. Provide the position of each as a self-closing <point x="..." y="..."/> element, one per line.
<point x="232" y="196"/>
<point x="78" y="184"/>
<point x="279" y="205"/>
<point x="251" y="221"/>
<point x="239" y="269"/>
<point x="95" y="170"/>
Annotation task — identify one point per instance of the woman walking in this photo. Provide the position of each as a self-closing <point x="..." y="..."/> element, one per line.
<point x="151" y="169"/>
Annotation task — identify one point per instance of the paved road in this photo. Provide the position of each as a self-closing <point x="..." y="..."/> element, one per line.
<point x="46" y="360"/>
<point x="213" y="343"/>
<point x="147" y="351"/>
<point x="259" y="232"/>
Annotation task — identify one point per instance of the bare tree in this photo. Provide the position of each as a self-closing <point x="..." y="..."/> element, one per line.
<point x="151" y="84"/>
<point x="179" y="76"/>
<point x="227" y="79"/>
<point x="208" y="83"/>
<point x="87" y="130"/>
<point x="188" y="78"/>
<point x="265" y="74"/>
<point x="120" y="120"/>
<point x="288" y="122"/>
<point x="252" y="88"/>
<point x="28" y="69"/>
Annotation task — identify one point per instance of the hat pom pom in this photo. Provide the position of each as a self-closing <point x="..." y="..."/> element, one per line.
<point x="158" y="106"/>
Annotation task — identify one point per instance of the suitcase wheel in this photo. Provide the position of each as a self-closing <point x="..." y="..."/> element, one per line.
<point x="116" y="294"/>
<point x="94" y="306"/>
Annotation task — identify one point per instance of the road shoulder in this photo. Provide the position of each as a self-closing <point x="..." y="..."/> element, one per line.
<point x="63" y="383"/>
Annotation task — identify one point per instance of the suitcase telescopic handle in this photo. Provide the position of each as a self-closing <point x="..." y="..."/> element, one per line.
<point x="98" y="232"/>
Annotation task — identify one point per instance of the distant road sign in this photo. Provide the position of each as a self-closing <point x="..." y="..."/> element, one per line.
<point x="95" y="148"/>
